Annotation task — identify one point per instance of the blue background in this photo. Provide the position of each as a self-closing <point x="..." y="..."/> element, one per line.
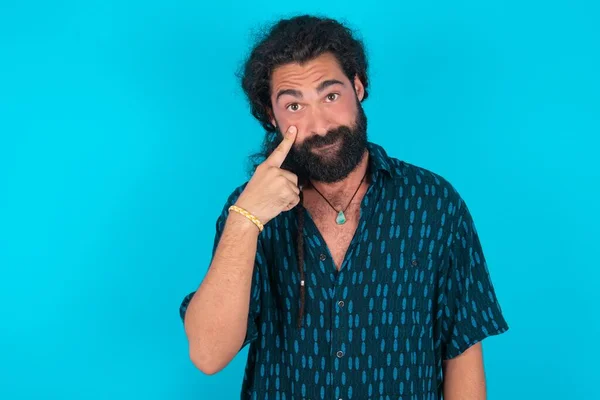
<point x="123" y="130"/>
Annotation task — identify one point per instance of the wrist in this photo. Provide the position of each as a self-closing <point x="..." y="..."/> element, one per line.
<point x="245" y="218"/>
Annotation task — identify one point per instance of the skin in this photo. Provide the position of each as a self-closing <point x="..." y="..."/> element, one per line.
<point x="464" y="376"/>
<point x="308" y="99"/>
<point x="315" y="98"/>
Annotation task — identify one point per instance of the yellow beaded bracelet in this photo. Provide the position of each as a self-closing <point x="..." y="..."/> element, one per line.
<point x="248" y="215"/>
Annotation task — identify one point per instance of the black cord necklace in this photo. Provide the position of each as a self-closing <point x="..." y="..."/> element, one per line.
<point x="341" y="217"/>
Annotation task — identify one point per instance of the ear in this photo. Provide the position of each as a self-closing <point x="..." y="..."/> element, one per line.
<point x="359" y="88"/>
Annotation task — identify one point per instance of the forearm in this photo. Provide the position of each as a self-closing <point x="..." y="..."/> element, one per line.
<point x="217" y="316"/>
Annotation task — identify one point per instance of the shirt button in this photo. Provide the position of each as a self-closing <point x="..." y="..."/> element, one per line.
<point x="340" y="354"/>
<point x="322" y="257"/>
<point x="341" y="303"/>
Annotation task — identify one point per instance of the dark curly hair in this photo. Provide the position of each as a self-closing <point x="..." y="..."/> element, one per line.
<point x="299" y="39"/>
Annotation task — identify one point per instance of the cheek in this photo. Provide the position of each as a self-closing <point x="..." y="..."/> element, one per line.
<point x="285" y="120"/>
<point x="343" y="113"/>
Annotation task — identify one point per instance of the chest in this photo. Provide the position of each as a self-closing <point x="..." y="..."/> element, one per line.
<point x="337" y="236"/>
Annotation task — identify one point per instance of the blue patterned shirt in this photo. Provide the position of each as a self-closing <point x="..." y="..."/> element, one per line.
<point x="413" y="290"/>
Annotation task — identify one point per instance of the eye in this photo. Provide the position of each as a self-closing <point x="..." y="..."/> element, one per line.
<point x="333" y="96"/>
<point x="294" y="107"/>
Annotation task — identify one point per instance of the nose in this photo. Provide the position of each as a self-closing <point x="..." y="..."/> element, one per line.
<point x="319" y="122"/>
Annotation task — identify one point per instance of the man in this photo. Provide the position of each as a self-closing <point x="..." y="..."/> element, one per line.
<point x="351" y="274"/>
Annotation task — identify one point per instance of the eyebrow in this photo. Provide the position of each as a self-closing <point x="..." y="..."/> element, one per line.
<point x="298" y="94"/>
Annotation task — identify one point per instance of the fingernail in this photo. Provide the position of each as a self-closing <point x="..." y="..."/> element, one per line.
<point x="292" y="129"/>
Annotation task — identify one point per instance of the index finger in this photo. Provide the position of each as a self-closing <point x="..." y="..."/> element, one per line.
<point x="280" y="153"/>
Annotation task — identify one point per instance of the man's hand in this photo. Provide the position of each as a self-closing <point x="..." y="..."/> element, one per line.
<point x="272" y="189"/>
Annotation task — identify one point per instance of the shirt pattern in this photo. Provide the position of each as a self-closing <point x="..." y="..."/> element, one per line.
<point x="413" y="290"/>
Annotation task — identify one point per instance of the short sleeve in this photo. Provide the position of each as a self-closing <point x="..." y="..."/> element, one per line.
<point x="471" y="310"/>
<point x="254" y="309"/>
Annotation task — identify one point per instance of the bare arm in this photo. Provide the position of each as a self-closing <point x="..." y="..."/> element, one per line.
<point x="464" y="377"/>
<point x="217" y="316"/>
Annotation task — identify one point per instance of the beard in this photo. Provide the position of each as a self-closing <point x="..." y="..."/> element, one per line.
<point x="348" y="145"/>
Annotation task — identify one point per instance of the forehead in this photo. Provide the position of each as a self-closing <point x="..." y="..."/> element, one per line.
<point x="325" y="66"/>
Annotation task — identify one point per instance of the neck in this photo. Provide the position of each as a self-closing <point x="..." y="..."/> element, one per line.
<point x="349" y="183"/>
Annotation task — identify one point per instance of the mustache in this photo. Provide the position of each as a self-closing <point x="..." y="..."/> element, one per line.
<point x="329" y="138"/>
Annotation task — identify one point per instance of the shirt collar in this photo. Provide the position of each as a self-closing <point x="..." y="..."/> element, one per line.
<point x="378" y="159"/>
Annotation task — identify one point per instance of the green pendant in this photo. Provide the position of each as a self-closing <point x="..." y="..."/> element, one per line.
<point x="341" y="218"/>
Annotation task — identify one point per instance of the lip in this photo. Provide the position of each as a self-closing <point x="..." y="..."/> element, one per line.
<point x="327" y="146"/>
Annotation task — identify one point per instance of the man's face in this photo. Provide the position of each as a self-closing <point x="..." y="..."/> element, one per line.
<point x="319" y="100"/>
